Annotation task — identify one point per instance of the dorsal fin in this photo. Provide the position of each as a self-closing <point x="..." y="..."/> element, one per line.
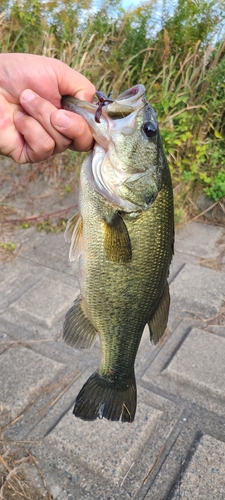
<point x="158" y="322"/>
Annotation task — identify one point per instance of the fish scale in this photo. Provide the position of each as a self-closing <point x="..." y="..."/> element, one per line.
<point x="126" y="247"/>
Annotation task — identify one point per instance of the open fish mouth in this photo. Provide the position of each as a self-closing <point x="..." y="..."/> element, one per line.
<point x="117" y="126"/>
<point x="133" y="95"/>
<point x="100" y="115"/>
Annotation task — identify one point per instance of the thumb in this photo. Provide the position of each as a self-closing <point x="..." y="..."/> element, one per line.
<point x="73" y="126"/>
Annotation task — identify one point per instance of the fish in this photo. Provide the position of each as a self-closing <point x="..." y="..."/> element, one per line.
<point x="123" y="238"/>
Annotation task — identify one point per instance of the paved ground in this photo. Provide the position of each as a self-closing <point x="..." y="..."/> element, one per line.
<point x="175" y="449"/>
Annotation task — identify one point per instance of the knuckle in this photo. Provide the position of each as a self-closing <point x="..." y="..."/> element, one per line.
<point x="65" y="143"/>
<point x="92" y="89"/>
<point x="60" y="148"/>
<point x="82" y="129"/>
<point x="47" y="145"/>
<point x="89" y="91"/>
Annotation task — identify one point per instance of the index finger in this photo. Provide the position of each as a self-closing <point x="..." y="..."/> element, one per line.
<point x="71" y="82"/>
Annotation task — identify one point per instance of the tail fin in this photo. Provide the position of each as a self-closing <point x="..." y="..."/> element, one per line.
<point x="101" y="397"/>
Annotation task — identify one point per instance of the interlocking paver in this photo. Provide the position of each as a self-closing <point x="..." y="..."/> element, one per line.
<point x="199" y="240"/>
<point x="113" y="446"/>
<point x="37" y="303"/>
<point x="205" y="474"/>
<point x="23" y="374"/>
<point x="50" y="252"/>
<point x="42" y="301"/>
<point x="16" y="278"/>
<point x="198" y="290"/>
<point x="175" y="447"/>
<point x="205" y="371"/>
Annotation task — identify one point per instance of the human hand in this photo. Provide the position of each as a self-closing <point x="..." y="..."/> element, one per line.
<point x="32" y="125"/>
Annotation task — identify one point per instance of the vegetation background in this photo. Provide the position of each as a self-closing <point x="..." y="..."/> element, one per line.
<point x="176" y="49"/>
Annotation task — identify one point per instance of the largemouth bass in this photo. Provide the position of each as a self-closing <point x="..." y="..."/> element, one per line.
<point x="123" y="236"/>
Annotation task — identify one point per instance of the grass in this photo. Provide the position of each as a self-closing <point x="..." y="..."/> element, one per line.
<point x="17" y="478"/>
<point x="180" y="63"/>
<point x="21" y="475"/>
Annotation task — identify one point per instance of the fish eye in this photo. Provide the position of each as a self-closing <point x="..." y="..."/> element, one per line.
<point x="150" y="129"/>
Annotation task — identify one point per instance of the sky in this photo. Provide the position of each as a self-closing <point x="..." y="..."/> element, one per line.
<point x="126" y="4"/>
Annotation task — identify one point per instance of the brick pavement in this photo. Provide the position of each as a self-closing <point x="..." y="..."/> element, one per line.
<point x="175" y="449"/>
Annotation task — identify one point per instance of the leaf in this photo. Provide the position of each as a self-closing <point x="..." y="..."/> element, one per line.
<point x="217" y="134"/>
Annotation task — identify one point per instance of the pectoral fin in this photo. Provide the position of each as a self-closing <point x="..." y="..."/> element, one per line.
<point x="78" y="331"/>
<point x="71" y="223"/>
<point x="73" y="234"/>
<point x="158" y="322"/>
<point x="117" y="242"/>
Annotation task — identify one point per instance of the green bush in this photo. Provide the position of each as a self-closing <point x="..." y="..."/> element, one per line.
<point x="178" y="54"/>
<point x="217" y="188"/>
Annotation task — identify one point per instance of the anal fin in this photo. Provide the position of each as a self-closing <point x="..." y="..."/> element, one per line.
<point x="117" y="242"/>
<point x="158" y="322"/>
<point x="78" y="331"/>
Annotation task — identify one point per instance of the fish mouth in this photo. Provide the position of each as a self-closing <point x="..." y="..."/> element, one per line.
<point x="107" y="114"/>
<point x="133" y="93"/>
<point x="108" y="119"/>
<point x="135" y="96"/>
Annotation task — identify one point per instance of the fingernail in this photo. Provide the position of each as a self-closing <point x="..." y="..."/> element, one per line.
<point x="27" y="95"/>
<point x="62" y="120"/>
